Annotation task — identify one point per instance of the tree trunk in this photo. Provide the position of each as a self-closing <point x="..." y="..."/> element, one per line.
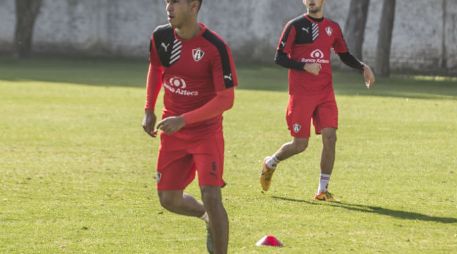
<point x="26" y="13"/>
<point x="382" y="65"/>
<point x="443" y="38"/>
<point x="354" y="30"/>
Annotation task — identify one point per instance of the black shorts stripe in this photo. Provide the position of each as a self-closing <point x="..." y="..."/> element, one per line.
<point x="220" y="45"/>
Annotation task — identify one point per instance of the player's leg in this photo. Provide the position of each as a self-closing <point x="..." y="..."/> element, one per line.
<point x="298" y="116"/>
<point x="175" y="170"/>
<point x="328" y="150"/>
<point x="287" y="150"/>
<point x="209" y="160"/>
<point x="326" y="123"/>
<point x="181" y="203"/>
<point x="218" y="219"/>
<point x="327" y="158"/>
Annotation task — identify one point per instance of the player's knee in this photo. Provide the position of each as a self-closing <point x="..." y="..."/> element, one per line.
<point x="168" y="201"/>
<point x="329" y="138"/>
<point x="211" y="196"/>
<point x="300" y="147"/>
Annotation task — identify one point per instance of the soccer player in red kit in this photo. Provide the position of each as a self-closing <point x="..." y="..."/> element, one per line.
<point x="196" y="69"/>
<point x="304" y="48"/>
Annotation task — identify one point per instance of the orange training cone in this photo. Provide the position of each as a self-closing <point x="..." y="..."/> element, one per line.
<point x="269" y="240"/>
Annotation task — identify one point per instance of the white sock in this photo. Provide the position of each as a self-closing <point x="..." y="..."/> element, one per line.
<point x="323" y="183"/>
<point x="272" y="162"/>
<point x="205" y="217"/>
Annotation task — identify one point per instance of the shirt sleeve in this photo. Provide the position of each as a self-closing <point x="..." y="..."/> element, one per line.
<point x="154" y="77"/>
<point x="223" y="69"/>
<point x="221" y="102"/>
<point x="339" y="45"/>
<point x="350" y="60"/>
<point x="285" y="46"/>
<point x="286" y="42"/>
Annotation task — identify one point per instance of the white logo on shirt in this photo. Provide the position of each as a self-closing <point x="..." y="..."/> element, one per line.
<point x="165" y="46"/>
<point x="329" y="31"/>
<point x="305" y="29"/>
<point x="178" y="85"/>
<point x="317" y="54"/>
<point x="178" y="82"/>
<point x="229" y="77"/>
<point x="197" y="54"/>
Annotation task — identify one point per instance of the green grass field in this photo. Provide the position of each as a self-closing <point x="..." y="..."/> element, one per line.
<point x="76" y="169"/>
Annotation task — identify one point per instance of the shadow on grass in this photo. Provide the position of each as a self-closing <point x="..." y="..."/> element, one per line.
<point x="132" y="73"/>
<point x="376" y="210"/>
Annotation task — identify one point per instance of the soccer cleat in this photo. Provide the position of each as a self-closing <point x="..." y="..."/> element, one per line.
<point x="266" y="175"/>
<point x="209" y="240"/>
<point x="324" y="196"/>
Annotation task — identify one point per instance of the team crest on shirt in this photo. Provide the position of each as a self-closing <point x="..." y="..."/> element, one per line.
<point x="197" y="54"/>
<point x="296" y="127"/>
<point x="329" y="31"/>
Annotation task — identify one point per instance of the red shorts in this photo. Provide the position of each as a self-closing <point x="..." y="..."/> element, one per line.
<point x="179" y="160"/>
<point x="301" y="110"/>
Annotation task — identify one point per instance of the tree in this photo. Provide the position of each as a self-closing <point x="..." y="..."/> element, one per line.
<point x="382" y="65"/>
<point x="26" y="13"/>
<point x="355" y="26"/>
<point x="443" y="62"/>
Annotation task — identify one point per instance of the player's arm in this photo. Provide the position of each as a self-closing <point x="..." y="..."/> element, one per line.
<point x="347" y="58"/>
<point x="153" y="86"/>
<point x="222" y="102"/>
<point x="282" y="59"/>
<point x="351" y="61"/>
<point x="224" y="79"/>
<point x="285" y="47"/>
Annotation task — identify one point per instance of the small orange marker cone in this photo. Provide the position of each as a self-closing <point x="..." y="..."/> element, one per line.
<point x="269" y="240"/>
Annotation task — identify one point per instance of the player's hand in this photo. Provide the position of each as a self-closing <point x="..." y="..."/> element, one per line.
<point x="313" y="68"/>
<point x="171" y="124"/>
<point x="368" y="76"/>
<point x="149" y="121"/>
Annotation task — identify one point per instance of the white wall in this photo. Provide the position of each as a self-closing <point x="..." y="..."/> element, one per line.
<point x="7" y="23"/>
<point x="252" y="28"/>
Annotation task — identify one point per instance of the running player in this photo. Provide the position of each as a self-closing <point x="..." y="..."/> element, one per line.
<point x="196" y="69"/>
<point x="304" y="48"/>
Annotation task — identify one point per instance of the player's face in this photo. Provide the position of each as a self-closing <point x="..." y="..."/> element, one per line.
<point x="314" y="6"/>
<point x="179" y="12"/>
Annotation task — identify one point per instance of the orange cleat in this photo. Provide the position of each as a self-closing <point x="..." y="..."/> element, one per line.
<point x="266" y="175"/>
<point x="324" y="196"/>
